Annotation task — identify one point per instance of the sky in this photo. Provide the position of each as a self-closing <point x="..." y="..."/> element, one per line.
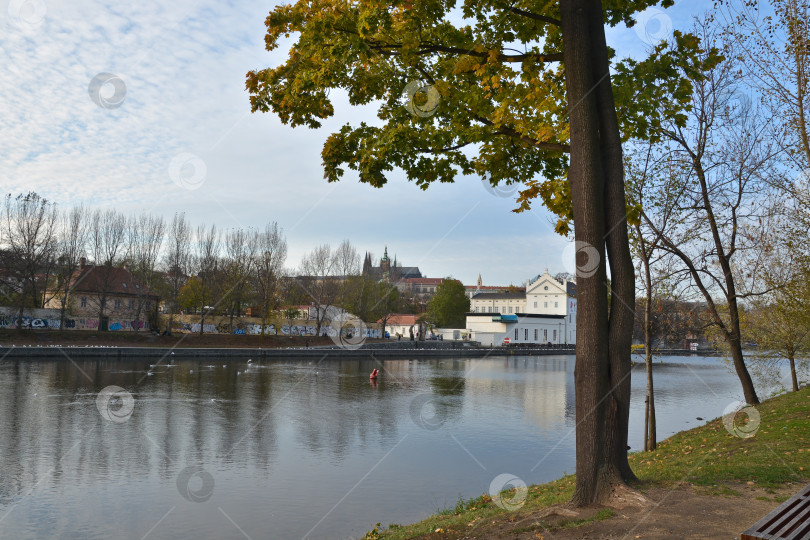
<point x="141" y="107"/>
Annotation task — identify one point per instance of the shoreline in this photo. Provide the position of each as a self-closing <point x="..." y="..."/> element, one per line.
<point x="389" y="350"/>
<point x="137" y="353"/>
<point x="703" y="482"/>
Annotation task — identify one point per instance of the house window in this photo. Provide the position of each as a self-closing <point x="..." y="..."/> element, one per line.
<point x="148" y="306"/>
<point x="545" y="334"/>
<point x="132" y="304"/>
<point x="476" y="309"/>
<point x="118" y="304"/>
<point x="545" y="288"/>
<point x="535" y="304"/>
<point x="84" y="301"/>
<point x="510" y="309"/>
<point x="535" y="334"/>
<point x="556" y="304"/>
<point x="124" y="285"/>
<point x="545" y="304"/>
<point x="526" y="334"/>
<point x="555" y="336"/>
<point x="516" y="334"/>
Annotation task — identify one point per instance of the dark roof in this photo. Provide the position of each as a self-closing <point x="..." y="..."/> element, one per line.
<point x="484" y="288"/>
<point x="499" y="296"/>
<point x="400" y="319"/>
<point x="403" y="272"/>
<point x="519" y="315"/>
<point x="90" y="279"/>
<point x="423" y="281"/>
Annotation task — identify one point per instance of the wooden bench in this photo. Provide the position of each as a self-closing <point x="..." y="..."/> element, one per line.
<point x="790" y="521"/>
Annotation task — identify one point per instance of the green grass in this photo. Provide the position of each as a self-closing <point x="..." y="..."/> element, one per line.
<point x="707" y="456"/>
<point x="779" y="451"/>
<point x="478" y="509"/>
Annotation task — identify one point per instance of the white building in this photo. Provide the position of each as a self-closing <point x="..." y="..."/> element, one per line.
<point x="491" y="329"/>
<point x="401" y="325"/>
<point x="548" y="306"/>
<point x="498" y="302"/>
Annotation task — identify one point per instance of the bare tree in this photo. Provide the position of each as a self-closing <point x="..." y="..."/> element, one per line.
<point x="207" y="264"/>
<point x="147" y="238"/>
<point x="177" y="261"/>
<point x="318" y="269"/>
<point x="773" y="38"/>
<point x="387" y="301"/>
<point x="722" y="161"/>
<point x="779" y="321"/>
<point x="271" y="253"/>
<point x="347" y="264"/>
<point x="240" y="251"/>
<point x="650" y="185"/>
<point x="109" y="243"/>
<point x="29" y="223"/>
<point x="72" y="237"/>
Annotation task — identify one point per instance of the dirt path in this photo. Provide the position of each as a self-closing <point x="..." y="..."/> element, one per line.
<point x="683" y="512"/>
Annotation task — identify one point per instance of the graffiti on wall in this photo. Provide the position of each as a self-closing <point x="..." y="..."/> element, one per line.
<point x="7" y="321"/>
<point x="10" y="321"/>
<point x="270" y="329"/>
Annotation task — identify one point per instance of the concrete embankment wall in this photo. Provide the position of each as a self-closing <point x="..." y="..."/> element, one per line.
<point x="374" y="350"/>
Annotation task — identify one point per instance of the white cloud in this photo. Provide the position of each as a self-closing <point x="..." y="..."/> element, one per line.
<point x="184" y="65"/>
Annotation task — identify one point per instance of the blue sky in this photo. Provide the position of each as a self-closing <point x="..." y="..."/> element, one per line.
<point x="183" y="66"/>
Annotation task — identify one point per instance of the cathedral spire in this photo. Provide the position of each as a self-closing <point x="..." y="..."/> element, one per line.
<point x="385" y="265"/>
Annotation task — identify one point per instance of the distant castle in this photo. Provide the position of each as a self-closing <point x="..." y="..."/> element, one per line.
<point x="389" y="270"/>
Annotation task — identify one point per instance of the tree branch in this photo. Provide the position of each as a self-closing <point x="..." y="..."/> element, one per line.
<point x="535" y="16"/>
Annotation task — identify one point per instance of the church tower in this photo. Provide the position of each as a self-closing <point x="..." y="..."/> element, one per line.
<point x="385" y="264"/>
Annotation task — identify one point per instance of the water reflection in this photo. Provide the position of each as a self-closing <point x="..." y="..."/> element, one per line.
<point x="293" y="448"/>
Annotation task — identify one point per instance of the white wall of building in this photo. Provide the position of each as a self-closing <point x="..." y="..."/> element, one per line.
<point x="503" y="306"/>
<point x="403" y="330"/>
<point x="528" y="328"/>
<point x="544" y="296"/>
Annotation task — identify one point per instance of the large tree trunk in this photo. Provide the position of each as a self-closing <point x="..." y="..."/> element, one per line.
<point x="592" y="370"/>
<point x="738" y="360"/>
<point x="793" y="374"/>
<point x="737" y="357"/>
<point x="623" y="293"/>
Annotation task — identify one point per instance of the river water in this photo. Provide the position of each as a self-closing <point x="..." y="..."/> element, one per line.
<point x="294" y="449"/>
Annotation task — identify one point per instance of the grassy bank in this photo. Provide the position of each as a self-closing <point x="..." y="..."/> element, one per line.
<point x="708" y="458"/>
<point x="80" y="338"/>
